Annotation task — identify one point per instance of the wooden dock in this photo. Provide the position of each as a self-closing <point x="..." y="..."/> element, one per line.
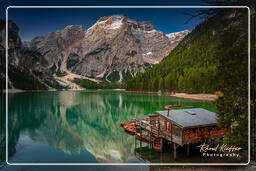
<point x="178" y="128"/>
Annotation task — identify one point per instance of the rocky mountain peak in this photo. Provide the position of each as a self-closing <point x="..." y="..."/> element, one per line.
<point x="114" y="49"/>
<point x="114" y="17"/>
<point x="74" y="27"/>
<point x="109" y="22"/>
<point x="118" y="20"/>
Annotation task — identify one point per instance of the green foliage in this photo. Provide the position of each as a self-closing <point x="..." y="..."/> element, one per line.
<point x="147" y="65"/>
<point x="253" y="89"/>
<point x="191" y="66"/>
<point x="33" y="53"/>
<point x="61" y="73"/>
<point x="131" y="53"/>
<point x="114" y="76"/>
<point x="54" y="84"/>
<point x="88" y="84"/>
<point x="213" y="57"/>
<point x="126" y="75"/>
<point x="232" y="64"/>
<point x="23" y="79"/>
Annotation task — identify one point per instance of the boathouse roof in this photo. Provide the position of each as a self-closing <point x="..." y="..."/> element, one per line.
<point x="195" y="117"/>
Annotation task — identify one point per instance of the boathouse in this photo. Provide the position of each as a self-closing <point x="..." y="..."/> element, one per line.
<point x="178" y="127"/>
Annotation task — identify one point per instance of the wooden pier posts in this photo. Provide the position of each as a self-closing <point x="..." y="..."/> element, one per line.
<point x="135" y="139"/>
<point x="161" y="145"/>
<point x="188" y="149"/>
<point x="140" y="136"/>
<point x="174" y="151"/>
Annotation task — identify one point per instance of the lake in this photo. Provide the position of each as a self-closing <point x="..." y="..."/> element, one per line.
<point x="83" y="126"/>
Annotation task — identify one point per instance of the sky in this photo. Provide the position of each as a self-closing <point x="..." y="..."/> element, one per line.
<point x="39" y="21"/>
<point x="36" y="22"/>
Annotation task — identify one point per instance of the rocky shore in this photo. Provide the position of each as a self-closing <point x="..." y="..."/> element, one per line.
<point x="204" y="97"/>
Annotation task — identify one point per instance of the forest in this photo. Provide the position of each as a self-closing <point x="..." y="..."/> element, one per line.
<point x="212" y="58"/>
<point x="93" y="85"/>
<point x="192" y="65"/>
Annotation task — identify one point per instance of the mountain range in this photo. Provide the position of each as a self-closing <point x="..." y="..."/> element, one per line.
<point x="213" y="57"/>
<point x="114" y="49"/>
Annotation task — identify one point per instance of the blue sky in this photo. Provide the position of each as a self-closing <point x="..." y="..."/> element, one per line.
<point x="35" y="22"/>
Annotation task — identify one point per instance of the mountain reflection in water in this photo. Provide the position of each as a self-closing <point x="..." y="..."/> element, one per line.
<point x="79" y="126"/>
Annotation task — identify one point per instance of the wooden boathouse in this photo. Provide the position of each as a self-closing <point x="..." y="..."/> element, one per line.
<point x="178" y="128"/>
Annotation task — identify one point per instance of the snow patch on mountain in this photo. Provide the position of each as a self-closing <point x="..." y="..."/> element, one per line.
<point x="116" y="24"/>
<point x="176" y="36"/>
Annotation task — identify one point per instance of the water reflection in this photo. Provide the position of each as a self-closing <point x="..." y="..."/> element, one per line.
<point x="78" y="121"/>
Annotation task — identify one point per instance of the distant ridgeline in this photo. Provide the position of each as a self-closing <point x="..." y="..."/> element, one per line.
<point x="193" y="66"/>
<point x="120" y="47"/>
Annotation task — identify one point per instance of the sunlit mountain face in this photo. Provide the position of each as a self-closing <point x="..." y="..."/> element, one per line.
<point x="79" y="126"/>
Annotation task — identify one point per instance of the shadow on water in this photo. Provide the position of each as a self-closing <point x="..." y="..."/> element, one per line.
<point x="80" y="126"/>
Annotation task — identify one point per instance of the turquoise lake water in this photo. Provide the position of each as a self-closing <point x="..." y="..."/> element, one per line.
<point x="83" y="126"/>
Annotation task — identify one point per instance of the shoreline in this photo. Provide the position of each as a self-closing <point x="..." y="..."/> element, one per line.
<point x="201" y="96"/>
<point x="22" y="91"/>
<point x="204" y="97"/>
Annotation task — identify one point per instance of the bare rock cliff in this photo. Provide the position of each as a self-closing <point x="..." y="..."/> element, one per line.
<point x="115" y="48"/>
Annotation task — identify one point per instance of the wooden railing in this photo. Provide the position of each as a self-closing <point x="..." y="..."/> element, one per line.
<point x="158" y="131"/>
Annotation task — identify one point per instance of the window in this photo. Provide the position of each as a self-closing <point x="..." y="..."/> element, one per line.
<point x="190" y="112"/>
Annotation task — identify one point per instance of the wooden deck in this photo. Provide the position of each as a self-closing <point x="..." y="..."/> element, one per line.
<point x="178" y="135"/>
<point x="160" y="131"/>
<point x="151" y="131"/>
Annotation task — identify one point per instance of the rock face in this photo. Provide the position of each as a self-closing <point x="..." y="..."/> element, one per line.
<point x="176" y="37"/>
<point x="19" y="76"/>
<point x="14" y="52"/>
<point x="56" y="46"/>
<point x="14" y="42"/>
<point x="115" y="48"/>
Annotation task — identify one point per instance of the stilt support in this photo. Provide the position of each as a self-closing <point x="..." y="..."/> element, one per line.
<point x="161" y="145"/>
<point x="174" y="151"/>
<point x="187" y="149"/>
